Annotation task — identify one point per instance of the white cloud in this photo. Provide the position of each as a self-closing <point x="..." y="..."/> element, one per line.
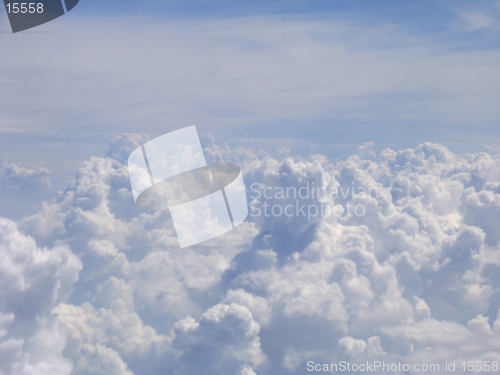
<point x="413" y="280"/>
<point x="225" y="339"/>
<point x="351" y="346"/>
<point x="24" y="176"/>
<point x="260" y="308"/>
<point x="32" y="281"/>
<point x="100" y="360"/>
<point x="122" y="146"/>
<point x="167" y="280"/>
<point x="98" y="338"/>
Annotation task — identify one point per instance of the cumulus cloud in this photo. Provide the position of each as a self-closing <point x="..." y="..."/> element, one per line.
<point x="24" y="176"/>
<point x="32" y="282"/>
<point x="225" y="339"/>
<point x="122" y="146"/>
<point x="413" y="277"/>
<point x="99" y="338"/>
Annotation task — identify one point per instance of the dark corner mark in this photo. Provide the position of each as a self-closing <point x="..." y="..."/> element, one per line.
<point x="27" y="14"/>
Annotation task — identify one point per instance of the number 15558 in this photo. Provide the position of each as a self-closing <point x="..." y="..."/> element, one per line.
<point x="25" y="8"/>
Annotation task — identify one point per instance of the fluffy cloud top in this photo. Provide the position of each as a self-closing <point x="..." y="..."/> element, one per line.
<point x="414" y="278"/>
<point x="32" y="282"/>
<point x="25" y="176"/>
<point x="225" y="339"/>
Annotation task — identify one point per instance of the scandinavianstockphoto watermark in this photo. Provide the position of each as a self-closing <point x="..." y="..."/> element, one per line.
<point x="309" y="201"/>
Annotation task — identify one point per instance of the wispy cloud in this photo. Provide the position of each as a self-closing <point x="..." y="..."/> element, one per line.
<point x="161" y="74"/>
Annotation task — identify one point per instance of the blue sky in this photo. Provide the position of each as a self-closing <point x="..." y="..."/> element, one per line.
<point x="312" y="76"/>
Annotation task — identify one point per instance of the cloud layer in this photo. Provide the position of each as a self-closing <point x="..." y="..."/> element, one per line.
<point x="414" y="279"/>
<point x="32" y="282"/>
